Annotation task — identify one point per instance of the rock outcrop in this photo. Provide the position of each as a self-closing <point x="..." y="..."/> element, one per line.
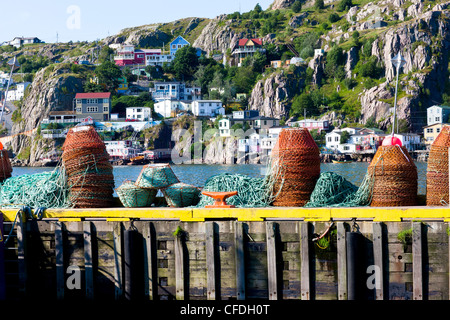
<point x="424" y="44"/>
<point x="281" y="4"/>
<point x="271" y="96"/>
<point x="217" y="36"/>
<point x="53" y="89"/>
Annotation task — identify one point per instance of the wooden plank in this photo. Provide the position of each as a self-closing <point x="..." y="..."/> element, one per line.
<point x="240" y="260"/>
<point x="210" y="261"/>
<point x="21" y="232"/>
<point x="179" y="268"/>
<point x="378" y="259"/>
<point x="417" y="261"/>
<point x="150" y="270"/>
<point x="305" y="261"/>
<point x="271" y="261"/>
<point x="88" y="260"/>
<point x="118" y="265"/>
<point x="341" y="261"/>
<point x="59" y="255"/>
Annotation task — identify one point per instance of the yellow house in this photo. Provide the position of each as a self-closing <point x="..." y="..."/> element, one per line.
<point x="431" y="132"/>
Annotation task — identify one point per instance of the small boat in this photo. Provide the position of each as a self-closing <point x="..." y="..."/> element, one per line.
<point x="342" y="161"/>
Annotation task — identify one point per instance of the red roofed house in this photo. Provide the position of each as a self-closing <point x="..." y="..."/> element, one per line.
<point x="96" y="105"/>
<point x="128" y="55"/>
<point x="247" y="47"/>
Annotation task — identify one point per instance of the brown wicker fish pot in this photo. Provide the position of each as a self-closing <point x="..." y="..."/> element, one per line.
<point x="296" y="158"/>
<point x="5" y="165"/>
<point x="394" y="177"/>
<point x="437" y="169"/>
<point x="89" y="173"/>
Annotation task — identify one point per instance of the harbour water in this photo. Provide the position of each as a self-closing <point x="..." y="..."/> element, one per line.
<point x="198" y="174"/>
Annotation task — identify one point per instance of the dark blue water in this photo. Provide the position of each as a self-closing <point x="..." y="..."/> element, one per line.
<point x="198" y="174"/>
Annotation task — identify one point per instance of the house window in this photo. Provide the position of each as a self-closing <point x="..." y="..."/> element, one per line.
<point x="438" y="130"/>
<point x="329" y="139"/>
<point x="92" y="101"/>
<point x="180" y="46"/>
<point x="79" y="101"/>
<point x="174" y="46"/>
<point x="336" y="138"/>
<point x="437" y="118"/>
<point x="92" y="109"/>
<point x="429" y="130"/>
<point x="265" y="122"/>
<point x="202" y="111"/>
<point x="78" y="110"/>
<point x="105" y="109"/>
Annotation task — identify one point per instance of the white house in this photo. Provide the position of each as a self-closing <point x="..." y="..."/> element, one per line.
<point x="333" y="139"/>
<point x="207" y="108"/>
<point x="19" y="41"/>
<point x="174" y="90"/>
<point x="18" y="93"/>
<point x="121" y="149"/>
<point x="169" y="108"/>
<point x="438" y="114"/>
<point x="139" y="113"/>
<point x="411" y="141"/>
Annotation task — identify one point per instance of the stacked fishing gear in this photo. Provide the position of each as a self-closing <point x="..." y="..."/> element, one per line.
<point x="154" y="178"/>
<point x="394" y="177"/>
<point x="296" y="162"/>
<point x="252" y="192"/>
<point x="437" y="169"/>
<point x="89" y="172"/>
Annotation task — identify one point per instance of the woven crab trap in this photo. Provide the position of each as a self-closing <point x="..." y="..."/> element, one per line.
<point x="437" y="169"/>
<point x="297" y="160"/>
<point x="133" y="196"/>
<point x="156" y="176"/>
<point x="181" y="195"/>
<point x="89" y="172"/>
<point x="5" y="165"/>
<point x="394" y="176"/>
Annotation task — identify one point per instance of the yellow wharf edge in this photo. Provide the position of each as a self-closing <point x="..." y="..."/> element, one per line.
<point x="244" y="214"/>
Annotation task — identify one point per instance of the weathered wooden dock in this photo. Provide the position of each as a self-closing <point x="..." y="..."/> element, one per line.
<point x="230" y="254"/>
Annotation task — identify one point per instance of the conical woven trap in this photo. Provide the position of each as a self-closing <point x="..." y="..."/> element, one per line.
<point x="394" y="177"/>
<point x="437" y="169"/>
<point x="297" y="160"/>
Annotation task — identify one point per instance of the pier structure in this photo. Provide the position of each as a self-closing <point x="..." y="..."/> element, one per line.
<point x="228" y="254"/>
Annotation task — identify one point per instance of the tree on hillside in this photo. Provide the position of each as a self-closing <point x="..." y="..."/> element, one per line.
<point x="185" y="63"/>
<point x="105" y="54"/>
<point x="319" y="4"/>
<point x="296" y="6"/>
<point x="108" y="73"/>
<point x="344" y="5"/>
<point x="345" y="136"/>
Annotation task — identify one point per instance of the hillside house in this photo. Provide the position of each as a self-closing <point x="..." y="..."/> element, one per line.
<point x="174" y="90"/>
<point x="20" y="41"/>
<point x="127" y="55"/>
<point x="247" y="48"/>
<point x="96" y="105"/>
<point x="139" y="113"/>
<point x="438" y="114"/>
<point x="169" y="108"/>
<point x="207" y="108"/>
<point x="312" y="124"/>
<point x="431" y="132"/>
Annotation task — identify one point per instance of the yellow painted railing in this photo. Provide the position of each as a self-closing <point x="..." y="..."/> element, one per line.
<point x="245" y="214"/>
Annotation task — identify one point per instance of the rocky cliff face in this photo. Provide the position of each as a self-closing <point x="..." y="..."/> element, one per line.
<point x="271" y="96"/>
<point x="217" y="36"/>
<point x="424" y="44"/>
<point x="52" y="89"/>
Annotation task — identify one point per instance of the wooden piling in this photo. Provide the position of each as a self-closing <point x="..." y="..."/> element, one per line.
<point x="341" y="261"/>
<point x="305" y="261"/>
<point x="59" y="255"/>
<point x="150" y="270"/>
<point x="271" y="261"/>
<point x="378" y="259"/>
<point x="240" y="260"/>
<point x="88" y="260"/>
<point x="118" y="265"/>
<point x="179" y="268"/>
<point x="417" y="261"/>
<point x="210" y="261"/>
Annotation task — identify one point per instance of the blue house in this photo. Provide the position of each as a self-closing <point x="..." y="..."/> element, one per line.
<point x="178" y="43"/>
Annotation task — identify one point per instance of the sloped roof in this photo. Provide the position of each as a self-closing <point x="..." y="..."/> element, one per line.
<point x="257" y="41"/>
<point x="93" y="95"/>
